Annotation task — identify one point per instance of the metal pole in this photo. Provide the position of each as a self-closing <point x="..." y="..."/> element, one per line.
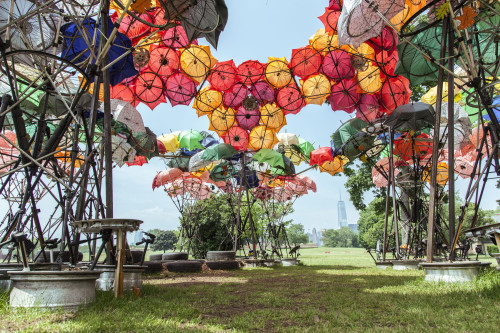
<point x="391" y="175"/>
<point x="451" y="141"/>
<point x="387" y="196"/>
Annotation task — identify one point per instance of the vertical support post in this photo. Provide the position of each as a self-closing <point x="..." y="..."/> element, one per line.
<point x="451" y="140"/>
<point x="120" y="253"/>
<point x="387" y="196"/>
<point x="391" y="175"/>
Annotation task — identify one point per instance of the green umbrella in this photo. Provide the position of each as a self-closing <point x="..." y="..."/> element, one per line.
<point x="222" y="171"/>
<point x="357" y="144"/>
<point x="218" y="152"/>
<point x="347" y="130"/>
<point x="271" y="157"/>
<point x="289" y="168"/>
<point x="190" y="140"/>
<point x="305" y="147"/>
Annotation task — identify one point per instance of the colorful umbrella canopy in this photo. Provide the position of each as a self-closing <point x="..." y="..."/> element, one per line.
<point x="223" y="75"/>
<point x="332" y="167"/>
<point x="441" y="177"/>
<point x="207" y="100"/>
<point x="305" y="147"/>
<point x="149" y="89"/>
<point x="407" y="146"/>
<point x="337" y="65"/>
<point x="369" y="80"/>
<point x="197" y="162"/>
<point x="344" y="96"/>
<point x="324" y="42"/>
<point x="360" y="20"/>
<point x="305" y="61"/>
<point x="347" y="130"/>
<point x="271" y="157"/>
<point x="321" y="155"/>
<point x="277" y="72"/>
<point x="272" y="116"/>
<point x="329" y="20"/>
<point x="250" y="72"/>
<point x="262" y="92"/>
<point x="290" y="100"/>
<point x="196" y="61"/>
<point x="237" y="137"/>
<point x="127" y="114"/>
<point x="170" y="142"/>
<point x="395" y="92"/>
<point x="316" y="89"/>
<point x="179" y="89"/>
<point x="287" y="139"/>
<point x="166" y="176"/>
<point x="262" y="137"/>
<point x="218" y="152"/>
<point x="414" y="116"/>
<point x="190" y="140"/>
<point x="247" y="119"/>
<point x="222" y="119"/>
<point x="174" y="37"/>
<point x="163" y="61"/>
<point x="235" y="96"/>
<point x="368" y="108"/>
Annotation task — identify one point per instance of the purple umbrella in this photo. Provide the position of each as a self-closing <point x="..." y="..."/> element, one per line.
<point x="344" y="96"/>
<point x="337" y="65"/>
<point x="263" y="92"/>
<point x="247" y="119"/>
<point x="368" y="107"/>
<point x="234" y="96"/>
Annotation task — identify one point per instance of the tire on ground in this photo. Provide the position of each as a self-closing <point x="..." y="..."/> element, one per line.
<point x="155" y="257"/>
<point x="221" y="255"/>
<point x="223" y="265"/>
<point x="136" y="256"/>
<point x="153" y="266"/>
<point x="175" y="256"/>
<point x="184" y="266"/>
<point x="65" y="256"/>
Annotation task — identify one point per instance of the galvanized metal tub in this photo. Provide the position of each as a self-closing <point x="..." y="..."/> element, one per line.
<point x="383" y="264"/>
<point x="451" y="271"/>
<point x="402" y="265"/>
<point x="132" y="277"/>
<point x="290" y="262"/>
<point x="51" y="289"/>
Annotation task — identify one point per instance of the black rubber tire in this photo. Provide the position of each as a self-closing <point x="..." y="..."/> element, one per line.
<point x="65" y="256"/>
<point x="155" y="257"/>
<point x="221" y="256"/>
<point x="153" y="266"/>
<point x="223" y="265"/>
<point x="175" y="256"/>
<point x="184" y="266"/>
<point x="136" y="256"/>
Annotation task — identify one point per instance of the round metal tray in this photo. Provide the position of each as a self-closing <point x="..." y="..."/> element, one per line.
<point x="97" y="225"/>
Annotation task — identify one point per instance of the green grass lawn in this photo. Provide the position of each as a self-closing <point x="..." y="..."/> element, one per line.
<point x="332" y="292"/>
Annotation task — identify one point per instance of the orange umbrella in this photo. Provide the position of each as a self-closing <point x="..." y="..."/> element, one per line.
<point x="277" y="72"/>
<point x="305" y="61"/>
<point x="316" y="89"/>
<point x="196" y="61"/>
<point x="207" y="101"/>
<point x="272" y="116"/>
<point x="332" y="167"/>
<point x="262" y="137"/>
<point x="324" y="42"/>
<point x="369" y="80"/>
<point x="222" y="119"/>
<point x="163" y="60"/>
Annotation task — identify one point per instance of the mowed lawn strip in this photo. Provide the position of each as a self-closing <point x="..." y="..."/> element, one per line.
<point x="332" y="292"/>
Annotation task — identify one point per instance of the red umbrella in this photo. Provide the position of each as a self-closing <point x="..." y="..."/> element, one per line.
<point x="125" y="93"/>
<point x="344" y="96"/>
<point x="395" y="92"/>
<point x="180" y="89"/>
<point x="161" y="147"/>
<point x="408" y="147"/>
<point x="335" y="5"/>
<point x="368" y="108"/>
<point x="223" y="75"/>
<point x="138" y="160"/>
<point x="236" y="137"/>
<point x="305" y="61"/>
<point x="234" y="96"/>
<point x="247" y="119"/>
<point x="387" y="63"/>
<point x="263" y="92"/>
<point x="166" y="176"/>
<point x="250" y="72"/>
<point x="163" y="60"/>
<point x="149" y="89"/>
<point x="386" y="41"/>
<point x="174" y="37"/>
<point x="158" y="15"/>
<point x="290" y="100"/>
<point x="337" y="65"/>
<point x="329" y="19"/>
<point x="135" y="29"/>
<point x="321" y="155"/>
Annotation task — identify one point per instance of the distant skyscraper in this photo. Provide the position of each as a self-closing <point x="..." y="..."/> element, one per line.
<point x="314" y="236"/>
<point x="354" y="227"/>
<point x="342" y="215"/>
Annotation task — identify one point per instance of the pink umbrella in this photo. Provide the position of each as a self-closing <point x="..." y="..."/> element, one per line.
<point x="386" y="41"/>
<point x="263" y="92"/>
<point x="247" y="119"/>
<point x="163" y="60"/>
<point x="180" y="89"/>
<point x="368" y="108"/>
<point x="344" y="96"/>
<point x="463" y="167"/>
<point x="337" y="65"/>
<point x="236" y="137"/>
<point x="223" y="75"/>
<point x="234" y="96"/>
<point x="175" y="37"/>
<point x="135" y="29"/>
<point x="8" y="153"/>
<point x="308" y="182"/>
<point x="166" y="176"/>
<point x="290" y="100"/>
<point x="149" y="89"/>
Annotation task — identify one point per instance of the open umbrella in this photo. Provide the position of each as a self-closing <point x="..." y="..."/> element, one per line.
<point x="262" y="91"/>
<point x="360" y="19"/>
<point x="174" y="37"/>
<point x="223" y="75"/>
<point x="250" y="72"/>
<point x="321" y="155"/>
<point x="163" y="60"/>
<point x="277" y="72"/>
<point x="368" y="108"/>
<point x="329" y="20"/>
<point x="287" y="139"/>
<point x="271" y="116"/>
<point x="347" y="130"/>
<point x="149" y="89"/>
<point x="305" y="61"/>
<point x="236" y="137"/>
<point x="413" y="116"/>
<point x="125" y="93"/>
<point x="395" y="92"/>
<point x="180" y="89"/>
<point x="305" y="147"/>
<point x="369" y="80"/>
<point x="262" y="137"/>
<point x="190" y="140"/>
<point x="337" y="65"/>
<point x="170" y="142"/>
<point x="271" y="157"/>
<point x="344" y="96"/>
<point x="235" y="96"/>
<point x="222" y="119"/>
<point x="166" y="176"/>
<point x="197" y="162"/>
<point x="316" y="89"/>
<point x="290" y="100"/>
<point x="207" y="100"/>
<point x="127" y="114"/>
<point x="196" y="61"/>
<point x="218" y="152"/>
<point x="247" y="119"/>
<point x="324" y="42"/>
<point x="332" y="167"/>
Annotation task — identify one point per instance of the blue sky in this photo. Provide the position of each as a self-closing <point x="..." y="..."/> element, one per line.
<point x="255" y="30"/>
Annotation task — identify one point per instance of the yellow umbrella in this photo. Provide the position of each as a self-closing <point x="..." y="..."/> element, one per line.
<point x="207" y="101"/>
<point x="222" y="119"/>
<point x="272" y="116"/>
<point x="316" y="89"/>
<point x="332" y="167"/>
<point x="196" y="61"/>
<point x="140" y="6"/>
<point x="369" y="81"/>
<point x="324" y="42"/>
<point x="170" y="141"/>
<point x="411" y="7"/>
<point x="430" y="96"/>
<point x="294" y="157"/>
<point x="361" y="56"/>
<point x="442" y="174"/>
<point x="262" y="137"/>
<point x="277" y="72"/>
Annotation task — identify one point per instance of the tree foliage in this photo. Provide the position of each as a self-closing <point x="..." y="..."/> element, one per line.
<point x="359" y="182"/>
<point x="343" y="237"/>
<point x="165" y="240"/>
<point x="371" y="223"/>
<point x="296" y="234"/>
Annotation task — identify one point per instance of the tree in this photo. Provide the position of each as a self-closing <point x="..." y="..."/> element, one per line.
<point x="165" y="240"/>
<point x="359" y="182"/>
<point x="296" y="234"/>
<point x="343" y="237"/>
<point x="371" y="223"/>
